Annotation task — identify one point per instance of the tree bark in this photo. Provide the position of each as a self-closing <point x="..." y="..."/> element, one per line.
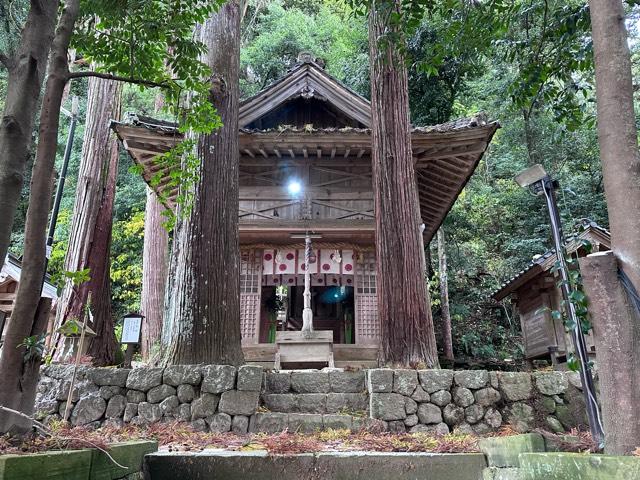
<point x="617" y="133"/>
<point x="26" y="69"/>
<point x="444" y="295"/>
<point x="617" y="339"/>
<point x="403" y="300"/>
<point x="204" y="306"/>
<point x="618" y="326"/>
<point x="90" y="233"/>
<point x="154" y="274"/>
<point x="23" y="317"/>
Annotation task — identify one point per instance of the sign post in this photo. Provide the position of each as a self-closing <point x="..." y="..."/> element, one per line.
<point x="131" y="331"/>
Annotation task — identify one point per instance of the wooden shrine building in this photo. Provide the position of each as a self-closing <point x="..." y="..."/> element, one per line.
<point x="10" y="273"/>
<point x="305" y="165"/>
<point x="536" y="293"/>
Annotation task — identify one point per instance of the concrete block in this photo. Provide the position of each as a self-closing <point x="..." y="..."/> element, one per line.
<point x="578" y="466"/>
<point x="330" y="465"/>
<point x="504" y="451"/>
<point x="495" y="473"/>
<point x="128" y="454"/>
<point x="63" y="465"/>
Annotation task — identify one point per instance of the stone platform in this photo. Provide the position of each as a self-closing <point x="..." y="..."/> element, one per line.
<point x="214" y="465"/>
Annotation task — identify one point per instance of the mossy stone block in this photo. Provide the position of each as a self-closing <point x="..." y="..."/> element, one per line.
<point x="63" y="465"/>
<point x="128" y="454"/>
<point x="495" y="473"/>
<point x="578" y="466"/>
<point x="504" y="451"/>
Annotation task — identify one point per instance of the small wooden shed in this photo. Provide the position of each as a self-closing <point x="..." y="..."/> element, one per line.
<point x="535" y="293"/>
<point x="9" y="280"/>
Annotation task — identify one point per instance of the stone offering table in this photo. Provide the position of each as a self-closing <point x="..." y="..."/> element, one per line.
<point x="294" y="347"/>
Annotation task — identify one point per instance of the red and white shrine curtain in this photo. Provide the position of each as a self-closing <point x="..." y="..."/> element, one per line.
<point x="327" y="267"/>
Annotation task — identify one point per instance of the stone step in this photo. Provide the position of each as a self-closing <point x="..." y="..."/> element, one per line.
<point x="346" y="403"/>
<point x="276" y="422"/>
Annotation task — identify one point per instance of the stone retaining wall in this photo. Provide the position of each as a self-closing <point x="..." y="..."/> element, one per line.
<point x="222" y="398"/>
<point x="475" y="400"/>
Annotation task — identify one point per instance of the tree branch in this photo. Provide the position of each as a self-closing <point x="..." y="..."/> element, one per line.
<point x="108" y="76"/>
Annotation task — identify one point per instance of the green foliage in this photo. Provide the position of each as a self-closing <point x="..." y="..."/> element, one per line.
<point x="277" y="34"/>
<point x="151" y="43"/>
<point x="34" y="347"/>
<point x="126" y="263"/>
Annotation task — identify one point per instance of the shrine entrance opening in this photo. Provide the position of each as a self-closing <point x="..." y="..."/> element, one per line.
<point x="333" y="310"/>
<point x="332" y="306"/>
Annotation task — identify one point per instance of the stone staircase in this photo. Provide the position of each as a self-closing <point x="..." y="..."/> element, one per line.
<point x="310" y="401"/>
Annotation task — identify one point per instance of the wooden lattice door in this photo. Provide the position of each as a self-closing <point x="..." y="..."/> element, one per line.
<point x="366" y="301"/>
<point x="250" y="295"/>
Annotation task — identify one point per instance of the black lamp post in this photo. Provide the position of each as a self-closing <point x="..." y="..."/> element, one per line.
<point x="539" y="182"/>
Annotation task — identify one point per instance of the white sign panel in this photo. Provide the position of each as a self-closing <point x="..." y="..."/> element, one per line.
<point x="131" y="330"/>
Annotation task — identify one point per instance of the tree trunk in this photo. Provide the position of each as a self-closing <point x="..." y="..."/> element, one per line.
<point x="618" y="352"/>
<point x="204" y="306"/>
<point x="403" y="299"/>
<point x="154" y="274"/>
<point x="444" y="296"/>
<point x="26" y="69"/>
<point x="90" y="233"/>
<point x="619" y="326"/>
<point x="617" y="132"/>
<point x="23" y="318"/>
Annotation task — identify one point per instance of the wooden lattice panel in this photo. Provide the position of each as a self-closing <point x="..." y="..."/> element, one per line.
<point x="249" y="317"/>
<point x="366" y="301"/>
<point x="250" y="293"/>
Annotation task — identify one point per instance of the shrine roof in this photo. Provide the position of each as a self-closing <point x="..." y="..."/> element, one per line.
<point x="587" y="231"/>
<point x="308" y="115"/>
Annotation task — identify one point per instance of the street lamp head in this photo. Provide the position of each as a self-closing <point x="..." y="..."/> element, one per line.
<point x="75" y="108"/>
<point x="531" y="175"/>
<point x="294" y="187"/>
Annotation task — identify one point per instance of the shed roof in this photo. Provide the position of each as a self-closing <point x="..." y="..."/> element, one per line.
<point x="588" y="231"/>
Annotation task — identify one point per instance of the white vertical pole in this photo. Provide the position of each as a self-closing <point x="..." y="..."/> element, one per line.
<point x="307" y="313"/>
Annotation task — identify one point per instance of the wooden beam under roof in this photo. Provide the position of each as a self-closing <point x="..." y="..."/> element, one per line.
<point x="446" y="158"/>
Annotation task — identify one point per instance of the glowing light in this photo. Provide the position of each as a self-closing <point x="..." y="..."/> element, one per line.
<point x="294" y="187"/>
